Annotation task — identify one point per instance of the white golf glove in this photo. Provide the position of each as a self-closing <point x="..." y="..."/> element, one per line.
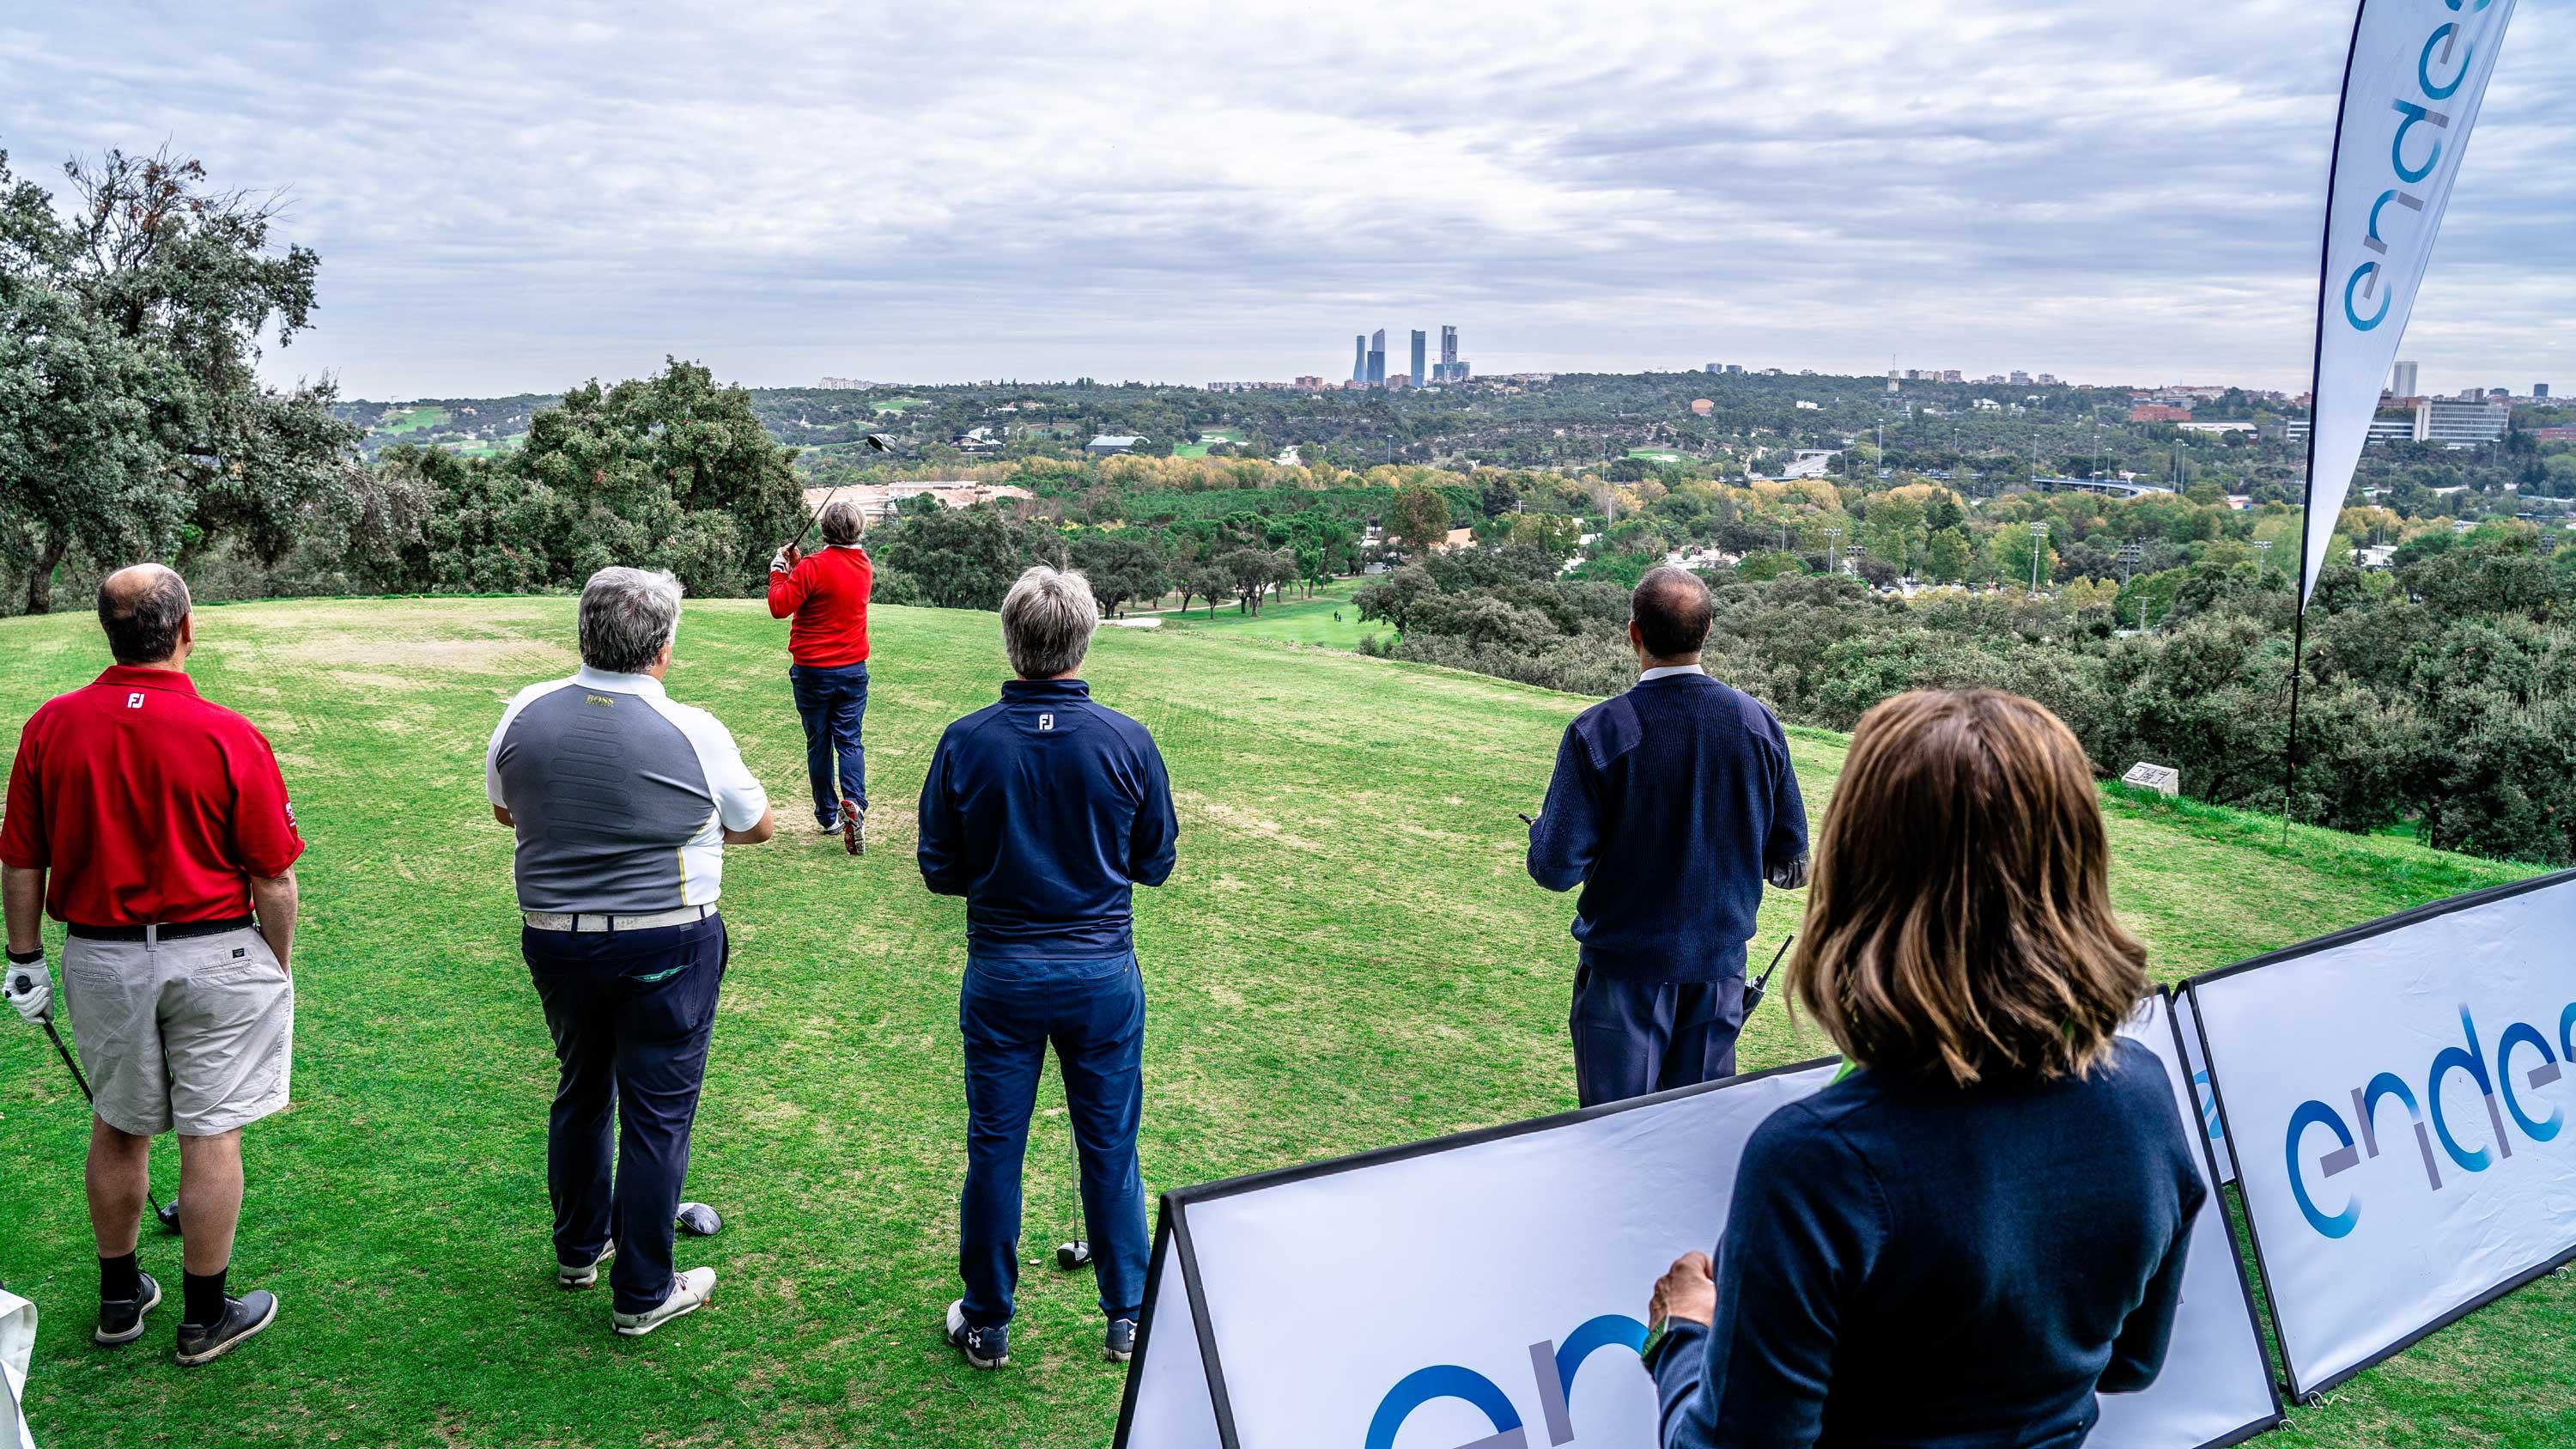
<point x="29" y="986"/>
<point x="778" y="563"/>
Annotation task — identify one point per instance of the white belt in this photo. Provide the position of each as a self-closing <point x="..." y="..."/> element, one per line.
<point x="590" y="921"/>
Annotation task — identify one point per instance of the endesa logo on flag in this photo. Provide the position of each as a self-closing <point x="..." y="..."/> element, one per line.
<point x="2398" y="1097"/>
<point x="2358" y="1136"/>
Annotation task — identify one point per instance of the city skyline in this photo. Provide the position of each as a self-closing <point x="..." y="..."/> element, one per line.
<point x="512" y="199"/>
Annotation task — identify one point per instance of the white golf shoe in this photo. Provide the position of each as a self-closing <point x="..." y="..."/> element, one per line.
<point x="689" y="1293"/>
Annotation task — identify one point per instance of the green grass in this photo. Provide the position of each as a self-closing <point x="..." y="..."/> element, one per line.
<point x="413" y="420"/>
<point x="1349" y="955"/>
<point x="1206" y="440"/>
<point x="1295" y="620"/>
<point x="1657" y="455"/>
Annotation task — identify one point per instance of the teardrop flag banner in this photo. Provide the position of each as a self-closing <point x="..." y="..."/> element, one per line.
<point x="2413" y="82"/>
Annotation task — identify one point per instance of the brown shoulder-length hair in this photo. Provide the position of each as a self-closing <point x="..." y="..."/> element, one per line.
<point x="1959" y="922"/>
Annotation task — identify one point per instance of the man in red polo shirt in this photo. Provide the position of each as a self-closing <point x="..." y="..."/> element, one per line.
<point x="827" y="595"/>
<point x="152" y="822"/>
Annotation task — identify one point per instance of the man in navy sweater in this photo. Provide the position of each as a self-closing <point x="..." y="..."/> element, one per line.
<point x="1044" y="811"/>
<point x="1670" y="806"/>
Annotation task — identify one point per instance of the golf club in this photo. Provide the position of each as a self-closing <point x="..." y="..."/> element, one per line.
<point x="1753" y="993"/>
<point x="1070" y="1256"/>
<point x="169" y="1216"/>
<point x="878" y="441"/>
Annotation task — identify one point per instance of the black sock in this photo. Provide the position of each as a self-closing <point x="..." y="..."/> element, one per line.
<point x="204" y="1298"/>
<point x="119" y="1278"/>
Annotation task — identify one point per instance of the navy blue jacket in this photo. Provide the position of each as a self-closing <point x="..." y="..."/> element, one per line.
<point x="1670" y="804"/>
<point x="1911" y="1266"/>
<point x="1043" y="811"/>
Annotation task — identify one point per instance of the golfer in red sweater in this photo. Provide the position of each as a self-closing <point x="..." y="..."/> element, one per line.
<point x="827" y="595"/>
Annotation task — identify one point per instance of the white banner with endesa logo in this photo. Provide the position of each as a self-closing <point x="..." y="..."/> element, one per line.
<point x="1483" y="1291"/>
<point x="2398" y="1097"/>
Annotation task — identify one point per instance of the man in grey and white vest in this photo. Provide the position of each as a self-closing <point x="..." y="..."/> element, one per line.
<point x="623" y="801"/>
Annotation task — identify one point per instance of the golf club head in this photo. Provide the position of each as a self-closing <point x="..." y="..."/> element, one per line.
<point x="168" y="1213"/>
<point x="879" y="442"/>
<point x="699" y="1220"/>
<point x="1070" y="1256"/>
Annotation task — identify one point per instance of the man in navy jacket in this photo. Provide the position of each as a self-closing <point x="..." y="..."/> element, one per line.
<point x="1670" y="806"/>
<point x="1044" y="811"/>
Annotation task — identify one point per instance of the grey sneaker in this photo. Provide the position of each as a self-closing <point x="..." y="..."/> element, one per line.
<point x="985" y="1348"/>
<point x="1121" y="1340"/>
<point x="244" y="1319"/>
<point x="689" y="1293"/>
<point x="120" y="1320"/>
<point x="582" y="1275"/>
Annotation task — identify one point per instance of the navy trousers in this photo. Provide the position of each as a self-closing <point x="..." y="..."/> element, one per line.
<point x="631" y="1014"/>
<point x="1634" y="1037"/>
<point x="1094" y="1013"/>
<point x="833" y="702"/>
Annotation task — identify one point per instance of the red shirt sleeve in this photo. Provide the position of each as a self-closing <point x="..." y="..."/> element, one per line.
<point x="264" y="835"/>
<point x="788" y="590"/>
<point x="22" y="832"/>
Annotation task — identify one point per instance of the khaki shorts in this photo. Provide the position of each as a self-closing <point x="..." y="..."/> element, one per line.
<point x="194" y="1036"/>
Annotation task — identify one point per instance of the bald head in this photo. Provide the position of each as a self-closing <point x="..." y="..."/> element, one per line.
<point x="1671" y="611"/>
<point x="144" y="610"/>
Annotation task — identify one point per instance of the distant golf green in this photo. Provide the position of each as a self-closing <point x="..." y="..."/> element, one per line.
<point x="412" y="420"/>
<point x="1657" y="455"/>
<point x="1206" y="440"/>
<point x="1295" y="619"/>
<point x="1348" y="956"/>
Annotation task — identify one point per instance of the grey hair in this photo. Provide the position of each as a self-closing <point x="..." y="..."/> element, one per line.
<point x="1047" y="622"/>
<point x="627" y="615"/>
<point x="843" y="521"/>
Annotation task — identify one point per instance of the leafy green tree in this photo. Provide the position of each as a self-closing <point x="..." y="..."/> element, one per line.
<point x="670" y="472"/>
<point x="1121" y="566"/>
<point x="134" y="418"/>
<point x="958" y="558"/>
<point x="1418" y="519"/>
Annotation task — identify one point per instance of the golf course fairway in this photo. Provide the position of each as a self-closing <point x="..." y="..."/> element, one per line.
<point x="1349" y="955"/>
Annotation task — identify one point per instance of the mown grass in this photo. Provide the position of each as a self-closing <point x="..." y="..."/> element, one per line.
<point x="1294" y="620"/>
<point x="1349" y="955"/>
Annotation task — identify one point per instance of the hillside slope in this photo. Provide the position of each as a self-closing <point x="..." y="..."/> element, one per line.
<point x="1349" y="955"/>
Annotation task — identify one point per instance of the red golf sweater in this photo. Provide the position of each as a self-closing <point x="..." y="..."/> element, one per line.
<point x="827" y="593"/>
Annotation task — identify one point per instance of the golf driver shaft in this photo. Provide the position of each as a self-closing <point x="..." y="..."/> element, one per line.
<point x="83" y="1082"/>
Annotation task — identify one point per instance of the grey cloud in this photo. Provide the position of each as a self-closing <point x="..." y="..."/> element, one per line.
<point x="515" y="196"/>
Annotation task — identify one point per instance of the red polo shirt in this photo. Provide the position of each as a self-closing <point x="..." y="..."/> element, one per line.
<point x="150" y="805"/>
<point x="827" y="592"/>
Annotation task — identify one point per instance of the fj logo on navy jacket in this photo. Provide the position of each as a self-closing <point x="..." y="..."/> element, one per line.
<point x="1044" y="811"/>
<point x="1669" y="805"/>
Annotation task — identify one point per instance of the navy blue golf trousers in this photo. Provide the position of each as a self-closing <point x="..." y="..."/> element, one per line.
<point x="1636" y="1036"/>
<point x="833" y="702"/>
<point x="631" y="1013"/>
<point x="1094" y="1013"/>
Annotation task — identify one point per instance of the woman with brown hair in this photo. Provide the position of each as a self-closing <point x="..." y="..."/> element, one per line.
<point x="1981" y="1224"/>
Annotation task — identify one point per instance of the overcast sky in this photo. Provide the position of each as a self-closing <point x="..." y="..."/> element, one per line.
<point x="516" y="196"/>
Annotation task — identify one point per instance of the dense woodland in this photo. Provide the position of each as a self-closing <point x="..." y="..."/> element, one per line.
<point x="2441" y="687"/>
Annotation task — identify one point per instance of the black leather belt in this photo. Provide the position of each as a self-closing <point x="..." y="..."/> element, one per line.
<point x="175" y="931"/>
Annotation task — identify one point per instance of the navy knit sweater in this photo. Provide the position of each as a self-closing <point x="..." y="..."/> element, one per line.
<point x="1911" y="1266"/>
<point x="1669" y="804"/>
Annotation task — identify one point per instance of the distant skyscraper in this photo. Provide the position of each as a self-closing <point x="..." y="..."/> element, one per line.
<point x="2401" y="381"/>
<point x="1421" y="346"/>
<point x="1377" y="358"/>
<point x="1359" y="357"/>
<point x="2540" y="389"/>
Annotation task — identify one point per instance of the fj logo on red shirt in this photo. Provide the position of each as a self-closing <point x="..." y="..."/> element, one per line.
<point x="134" y="700"/>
